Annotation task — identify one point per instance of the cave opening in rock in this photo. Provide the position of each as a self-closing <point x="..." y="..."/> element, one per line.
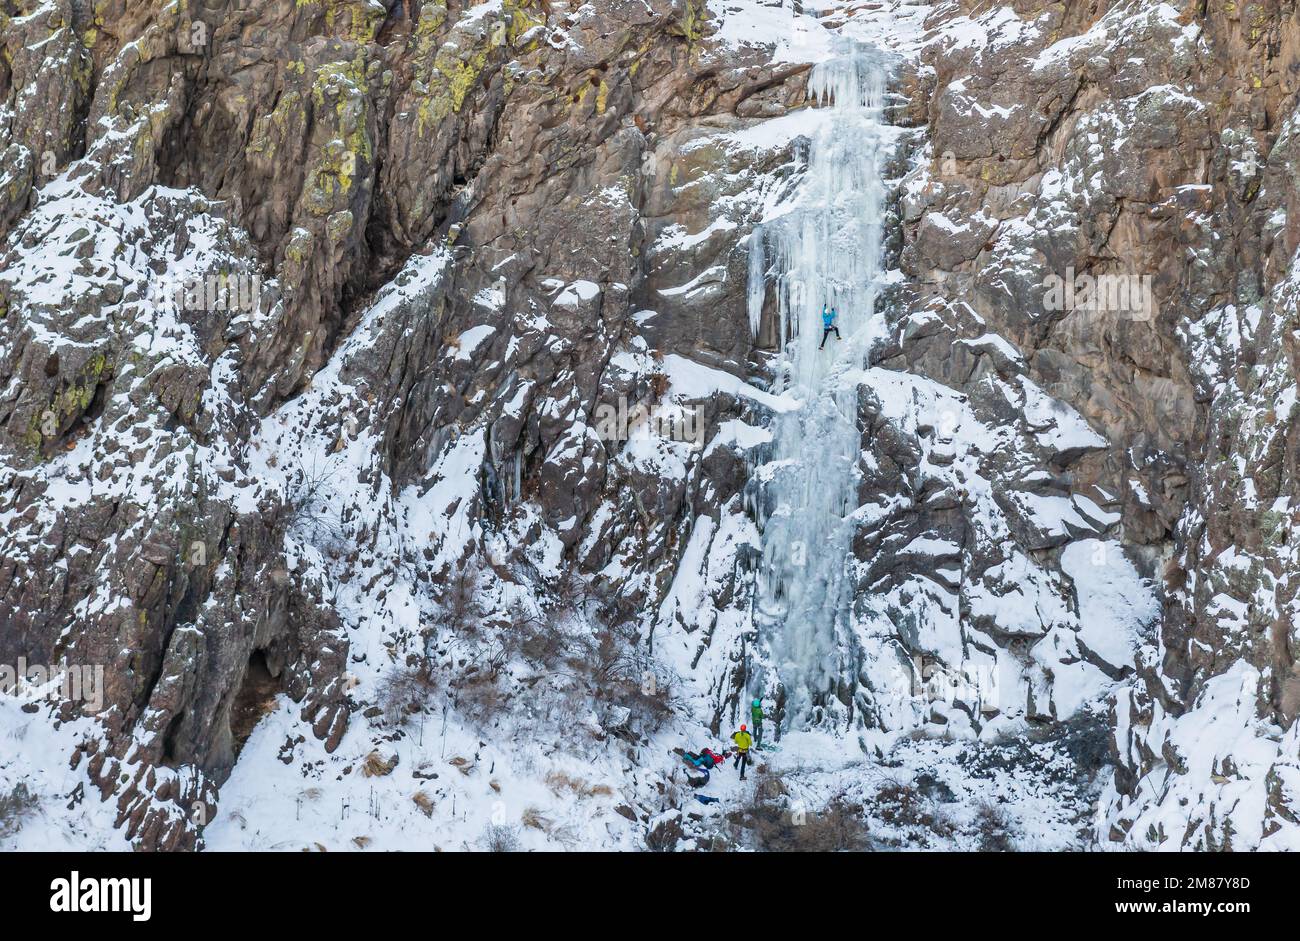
<point x="255" y="699"/>
<point x="169" y="739"/>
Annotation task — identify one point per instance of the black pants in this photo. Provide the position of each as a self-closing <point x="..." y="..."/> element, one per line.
<point x="826" y="333"/>
<point x="742" y="759"/>
<point x="758" y="734"/>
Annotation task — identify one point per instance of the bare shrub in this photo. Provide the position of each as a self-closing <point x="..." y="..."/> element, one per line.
<point x="308" y="510"/>
<point x="479" y="695"/>
<point x="15" y="806"/>
<point x="624" y="675"/>
<point x="568" y="835"/>
<point x="461" y="609"/>
<point x="614" y="656"/>
<point x="651" y="710"/>
<point x="994" y="828"/>
<point x="405" y="690"/>
<point x="541" y="640"/>
<point x="572" y="592"/>
<point x="768" y="787"/>
<point x="587" y="646"/>
<point x="664" y="835"/>
<point x="900" y="805"/>
<point x="905" y="807"/>
<point x="839" y="826"/>
<point x="500" y="838"/>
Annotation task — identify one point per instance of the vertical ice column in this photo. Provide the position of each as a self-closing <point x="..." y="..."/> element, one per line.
<point x="825" y="250"/>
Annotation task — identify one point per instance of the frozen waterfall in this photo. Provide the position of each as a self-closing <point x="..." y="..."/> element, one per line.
<point x="824" y="248"/>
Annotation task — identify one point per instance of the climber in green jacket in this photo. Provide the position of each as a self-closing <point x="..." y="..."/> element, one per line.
<point x="756" y="714"/>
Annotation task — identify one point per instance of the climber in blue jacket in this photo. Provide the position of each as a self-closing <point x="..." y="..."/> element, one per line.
<point x="828" y="325"/>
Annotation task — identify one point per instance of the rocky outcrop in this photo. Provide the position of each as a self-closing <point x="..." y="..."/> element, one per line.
<point x="462" y="253"/>
<point x="505" y="169"/>
<point x="1147" y="141"/>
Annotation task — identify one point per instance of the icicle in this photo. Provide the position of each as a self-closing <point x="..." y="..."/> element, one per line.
<point x="757" y="280"/>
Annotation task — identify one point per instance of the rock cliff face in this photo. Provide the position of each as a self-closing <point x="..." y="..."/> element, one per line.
<point x="382" y="503"/>
<point x="1150" y="140"/>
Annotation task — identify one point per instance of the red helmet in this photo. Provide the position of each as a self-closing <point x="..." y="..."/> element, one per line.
<point x="742" y="728"/>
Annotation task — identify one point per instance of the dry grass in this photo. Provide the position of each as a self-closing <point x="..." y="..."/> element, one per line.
<point x="533" y="817"/>
<point x="377" y="765"/>
<point x="424" y="802"/>
<point x="559" y="783"/>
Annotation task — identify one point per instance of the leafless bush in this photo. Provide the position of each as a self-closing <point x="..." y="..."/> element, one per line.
<point x="994" y="828"/>
<point x="778" y="825"/>
<point x="461" y="610"/>
<point x="905" y="807"/>
<point x="479" y="696"/>
<point x="308" y="509"/>
<point x="587" y="645"/>
<point x="615" y="657"/>
<point x="541" y="640"/>
<point x="405" y="690"/>
<point x="572" y="592"/>
<point x="648" y="704"/>
<point x="839" y="827"/>
<point x="664" y="835"/>
<point x="501" y="838"/>
<point x="624" y="675"/>
<point x="15" y="806"/>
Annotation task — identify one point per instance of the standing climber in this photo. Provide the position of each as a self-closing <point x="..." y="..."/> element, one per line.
<point x="743" y="742"/>
<point x="756" y="714"/>
<point x="828" y="325"/>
